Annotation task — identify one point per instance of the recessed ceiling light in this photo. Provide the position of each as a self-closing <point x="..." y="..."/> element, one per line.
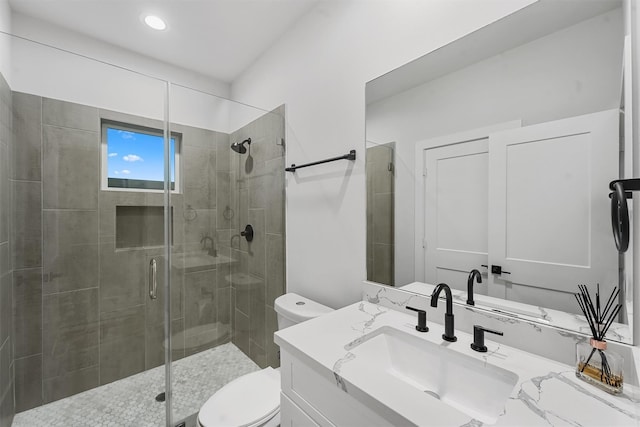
<point x="155" y="22"/>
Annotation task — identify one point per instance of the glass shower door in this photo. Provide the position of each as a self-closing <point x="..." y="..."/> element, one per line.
<point x="224" y="283"/>
<point x="88" y="220"/>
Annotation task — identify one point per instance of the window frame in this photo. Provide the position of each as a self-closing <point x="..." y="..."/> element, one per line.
<point x="132" y="127"/>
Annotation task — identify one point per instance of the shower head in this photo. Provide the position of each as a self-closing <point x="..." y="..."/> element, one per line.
<point x="239" y="147"/>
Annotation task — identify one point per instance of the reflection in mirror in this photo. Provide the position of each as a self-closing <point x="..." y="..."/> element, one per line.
<point x="380" y="210"/>
<point x="505" y="142"/>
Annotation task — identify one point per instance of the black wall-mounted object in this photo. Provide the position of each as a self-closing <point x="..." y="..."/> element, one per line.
<point x="496" y="269"/>
<point x="350" y="156"/>
<point x="422" y="319"/>
<point x="247" y="233"/>
<point x="621" y="191"/>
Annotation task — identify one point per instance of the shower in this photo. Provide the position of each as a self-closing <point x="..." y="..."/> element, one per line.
<point x="239" y="147"/>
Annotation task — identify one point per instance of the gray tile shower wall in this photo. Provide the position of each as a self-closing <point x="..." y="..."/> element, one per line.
<point x="81" y="312"/>
<point x="27" y="249"/>
<point x="7" y="382"/>
<point x="256" y="185"/>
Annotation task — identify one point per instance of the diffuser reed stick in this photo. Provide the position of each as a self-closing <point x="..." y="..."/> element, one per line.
<point x="605" y="372"/>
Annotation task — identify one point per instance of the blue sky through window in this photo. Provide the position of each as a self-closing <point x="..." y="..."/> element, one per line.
<point x="137" y="155"/>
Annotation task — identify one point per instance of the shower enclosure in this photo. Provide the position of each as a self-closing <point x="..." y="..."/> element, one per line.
<point x="135" y="291"/>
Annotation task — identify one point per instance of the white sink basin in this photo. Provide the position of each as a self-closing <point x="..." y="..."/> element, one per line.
<point x="470" y="385"/>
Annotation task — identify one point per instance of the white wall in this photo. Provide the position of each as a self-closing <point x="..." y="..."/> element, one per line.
<point x="571" y="72"/>
<point x="5" y="44"/>
<point x="319" y="69"/>
<point x="54" y="73"/>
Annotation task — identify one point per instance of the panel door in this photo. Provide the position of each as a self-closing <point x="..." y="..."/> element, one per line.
<point x="455" y="220"/>
<point x="549" y="222"/>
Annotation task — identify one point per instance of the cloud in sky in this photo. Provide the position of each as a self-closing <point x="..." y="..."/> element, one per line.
<point x="126" y="134"/>
<point x="125" y="171"/>
<point x="132" y="158"/>
<point x="113" y="154"/>
<point x="116" y="172"/>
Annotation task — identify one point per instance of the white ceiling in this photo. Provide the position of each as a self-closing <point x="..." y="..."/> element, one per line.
<point x="218" y="38"/>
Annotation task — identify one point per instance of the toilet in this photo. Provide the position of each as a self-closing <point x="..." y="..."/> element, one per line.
<point x="253" y="400"/>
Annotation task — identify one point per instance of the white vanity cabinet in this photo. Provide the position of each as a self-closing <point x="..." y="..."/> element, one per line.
<point x="309" y="398"/>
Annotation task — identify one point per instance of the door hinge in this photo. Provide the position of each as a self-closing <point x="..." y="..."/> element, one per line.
<point x="424" y="172"/>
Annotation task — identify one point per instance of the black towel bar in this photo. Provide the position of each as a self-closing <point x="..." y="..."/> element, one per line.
<point x="350" y="156"/>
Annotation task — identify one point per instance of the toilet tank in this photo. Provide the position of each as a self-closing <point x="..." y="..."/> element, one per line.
<point x="292" y="309"/>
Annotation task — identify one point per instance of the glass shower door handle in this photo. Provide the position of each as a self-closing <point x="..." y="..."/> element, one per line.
<point x="153" y="283"/>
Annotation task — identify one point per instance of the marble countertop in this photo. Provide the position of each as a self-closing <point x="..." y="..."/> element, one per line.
<point x="547" y="392"/>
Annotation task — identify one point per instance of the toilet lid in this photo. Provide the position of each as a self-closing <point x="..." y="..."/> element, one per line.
<point x="245" y="401"/>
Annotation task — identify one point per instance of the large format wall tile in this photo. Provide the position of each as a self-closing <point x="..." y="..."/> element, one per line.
<point x="7" y="409"/>
<point x="275" y="267"/>
<point x="241" y="332"/>
<point x="28" y="372"/>
<point x="6" y="302"/>
<point x="6" y="361"/>
<point x="274" y="195"/>
<point x="154" y="343"/>
<point x="71" y="168"/>
<point x="70" y="115"/>
<point x="122" y="278"/>
<point x="200" y="304"/>
<point x="70" y="334"/>
<point x="257" y="255"/>
<point x="199" y="177"/>
<point x="122" y="344"/>
<point x="257" y="181"/>
<point x="70" y="383"/>
<point x="27" y="224"/>
<point x="5" y="192"/>
<point x="225" y="202"/>
<point x="256" y="192"/>
<point x="257" y="314"/>
<point x="6" y="318"/>
<point x="271" y="326"/>
<point x="70" y="250"/>
<point x="27" y="130"/>
<point x="27" y="312"/>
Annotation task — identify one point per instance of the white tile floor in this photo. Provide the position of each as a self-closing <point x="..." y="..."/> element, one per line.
<point x="131" y="401"/>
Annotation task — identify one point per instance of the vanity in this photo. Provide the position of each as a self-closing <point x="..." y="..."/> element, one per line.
<point x="488" y="166"/>
<point x="366" y="365"/>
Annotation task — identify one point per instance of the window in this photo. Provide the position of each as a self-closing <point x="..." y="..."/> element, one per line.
<point x="133" y="157"/>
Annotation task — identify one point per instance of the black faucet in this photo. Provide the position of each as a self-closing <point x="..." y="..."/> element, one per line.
<point x="478" y="338"/>
<point x="448" y="317"/>
<point x="472" y="275"/>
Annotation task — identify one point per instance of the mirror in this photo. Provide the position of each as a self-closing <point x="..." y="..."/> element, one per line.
<point x="495" y="153"/>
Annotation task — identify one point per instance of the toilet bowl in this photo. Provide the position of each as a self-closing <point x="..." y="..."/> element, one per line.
<point x="253" y="400"/>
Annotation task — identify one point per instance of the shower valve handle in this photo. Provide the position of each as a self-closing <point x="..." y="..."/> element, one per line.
<point x="247" y="233"/>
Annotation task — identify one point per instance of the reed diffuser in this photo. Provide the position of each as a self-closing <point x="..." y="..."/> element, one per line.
<point x="595" y="364"/>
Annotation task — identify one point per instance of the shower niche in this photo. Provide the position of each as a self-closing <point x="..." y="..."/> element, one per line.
<point x="140" y="226"/>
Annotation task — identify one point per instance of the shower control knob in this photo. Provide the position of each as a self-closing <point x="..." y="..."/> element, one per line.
<point x="247" y="233"/>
